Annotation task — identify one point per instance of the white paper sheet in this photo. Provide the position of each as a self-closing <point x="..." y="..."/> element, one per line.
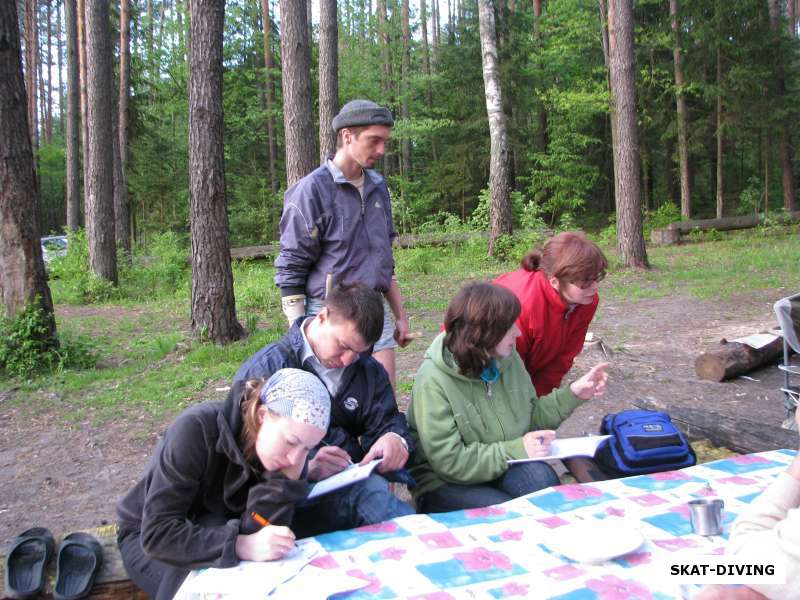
<point x="349" y="476"/>
<point x="567" y="447"/>
<point x="248" y="580"/>
<point x="317" y="583"/>
<point x="757" y="340"/>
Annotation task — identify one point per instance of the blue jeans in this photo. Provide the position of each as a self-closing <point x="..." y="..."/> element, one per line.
<point x="364" y="503"/>
<point x="520" y="479"/>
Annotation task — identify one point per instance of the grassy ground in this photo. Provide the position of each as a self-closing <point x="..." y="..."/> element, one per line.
<point x="149" y="364"/>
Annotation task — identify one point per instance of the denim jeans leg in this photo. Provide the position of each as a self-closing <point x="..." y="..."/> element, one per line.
<point x="525" y="478"/>
<point x="458" y="497"/>
<point x="364" y="503"/>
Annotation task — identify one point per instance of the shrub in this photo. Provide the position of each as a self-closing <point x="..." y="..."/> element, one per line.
<point x="75" y="281"/>
<point x="26" y="348"/>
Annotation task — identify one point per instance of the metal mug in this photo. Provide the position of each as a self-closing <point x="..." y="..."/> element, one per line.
<point x="706" y="515"/>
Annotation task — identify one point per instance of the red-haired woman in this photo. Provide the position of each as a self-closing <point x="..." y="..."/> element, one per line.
<point x="557" y="288"/>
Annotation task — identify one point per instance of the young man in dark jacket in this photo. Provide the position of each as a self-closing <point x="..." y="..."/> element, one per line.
<point x="336" y="227"/>
<point x="365" y="423"/>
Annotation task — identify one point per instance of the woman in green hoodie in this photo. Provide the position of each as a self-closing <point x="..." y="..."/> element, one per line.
<point x="473" y="408"/>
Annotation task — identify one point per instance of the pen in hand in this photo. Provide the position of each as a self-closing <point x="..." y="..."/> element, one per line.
<point x="259" y="519"/>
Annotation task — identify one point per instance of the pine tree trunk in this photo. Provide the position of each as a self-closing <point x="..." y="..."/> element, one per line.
<point x="81" y="20"/>
<point x="31" y="62"/>
<point x="785" y="140"/>
<point x="22" y="274"/>
<point x="720" y="147"/>
<point x="73" y="118"/>
<point x="328" y="76"/>
<point x="630" y="237"/>
<point x="269" y="65"/>
<point x="500" y="213"/>
<point x="100" y="142"/>
<point x="296" y="59"/>
<point x="542" y="140"/>
<point x="213" y="304"/>
<point x="121" y="197"/>
<point x="59" y="79"/>
<point x="386" y="77"/>
<point x="405" y="143"/>
<point x="682" y="112"/>
<point x="48" y="128"/>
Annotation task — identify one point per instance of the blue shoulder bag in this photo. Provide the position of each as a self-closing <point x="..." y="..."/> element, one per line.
<point x="644" y="441"/>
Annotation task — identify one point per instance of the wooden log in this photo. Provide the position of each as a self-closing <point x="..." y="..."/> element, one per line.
<point x="665" y="237"/>
<point x="734" y="358"/>
<point x="730" y="223"/>
<point x="740" y="435"/>
<point x="112" y="581"/>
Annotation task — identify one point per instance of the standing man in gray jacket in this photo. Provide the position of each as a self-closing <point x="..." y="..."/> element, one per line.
<point x="337" y="227"/>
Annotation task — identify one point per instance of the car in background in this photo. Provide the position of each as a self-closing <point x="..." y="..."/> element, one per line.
<point x="53" y="246"/>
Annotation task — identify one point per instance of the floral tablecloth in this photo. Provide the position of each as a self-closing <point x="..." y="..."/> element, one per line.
<point x="501" y="551"/>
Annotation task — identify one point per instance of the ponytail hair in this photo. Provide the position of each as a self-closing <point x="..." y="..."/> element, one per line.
<point x="569" y="257"/>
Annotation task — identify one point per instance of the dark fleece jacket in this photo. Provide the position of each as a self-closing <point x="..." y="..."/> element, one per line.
<point x="197" y="492"/>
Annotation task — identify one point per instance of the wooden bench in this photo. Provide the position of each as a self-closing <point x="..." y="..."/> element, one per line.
<point x="112" y="582"/>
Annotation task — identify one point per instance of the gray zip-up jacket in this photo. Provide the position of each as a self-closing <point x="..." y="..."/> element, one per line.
<point x="327" y="228"/>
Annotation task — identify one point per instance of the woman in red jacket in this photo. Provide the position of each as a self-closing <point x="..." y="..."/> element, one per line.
<point x="557" y="288"/>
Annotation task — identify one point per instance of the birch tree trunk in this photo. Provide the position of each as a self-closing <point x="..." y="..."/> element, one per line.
<point x="22" y="274"/>
<point x="500" y="212"/>
<point x="100" y="142"/>
<point x="630" y="237"/>
<point x="328" y="76"/>
<point x="73" y="118"/>
<point x="296" y="58"/>
<point x="213" y="304"/>
<point x="682" y="112"/>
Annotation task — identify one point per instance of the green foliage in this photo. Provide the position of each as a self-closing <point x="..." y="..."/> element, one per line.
<point x="27" y="348"/>
<point x="667" y="213"/>
<point x="750" y="198"/>
<point x="73" y="280"/>
<point x="162" y="272"/>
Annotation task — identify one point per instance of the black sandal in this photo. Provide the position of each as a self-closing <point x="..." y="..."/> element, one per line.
<point x="26" y="561"/>
<point x="80" y="557"/>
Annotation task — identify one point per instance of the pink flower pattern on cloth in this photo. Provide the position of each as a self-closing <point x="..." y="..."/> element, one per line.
<point x="481" y="559"/>
<point x="486" y="511"/>
<point x="670" y="476"/>
<point x="385" y="527"/>
<point x="577" y="491"/>
<point x="553" y="522"/>
<point x="393" y="553"/>
<point x="513" y="588"/>
<point x="443" y="539"/>
<point x="610" y="587"/>
<point x="374" y="583"/>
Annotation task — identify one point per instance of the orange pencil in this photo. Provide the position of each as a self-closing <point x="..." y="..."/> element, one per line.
<point x="259" y="519"/>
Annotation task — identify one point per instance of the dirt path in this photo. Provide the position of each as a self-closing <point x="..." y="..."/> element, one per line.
<point x="68" y="476"/>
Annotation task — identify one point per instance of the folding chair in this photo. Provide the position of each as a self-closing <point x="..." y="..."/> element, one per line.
<point x="788" y="312"/>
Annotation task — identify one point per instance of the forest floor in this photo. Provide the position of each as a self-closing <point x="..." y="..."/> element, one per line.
<point x="67" y="474"/>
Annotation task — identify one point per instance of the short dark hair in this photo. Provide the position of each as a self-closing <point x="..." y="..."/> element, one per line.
<point x="356" y="131"/>
<point x="359" y="304"/>
<point x="477" y="319"/>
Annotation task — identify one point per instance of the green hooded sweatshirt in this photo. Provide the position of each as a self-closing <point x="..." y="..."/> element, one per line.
<point x="466" y="429"/>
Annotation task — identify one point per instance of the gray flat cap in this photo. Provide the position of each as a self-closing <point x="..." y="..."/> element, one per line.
<point x="362" y="112"/>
